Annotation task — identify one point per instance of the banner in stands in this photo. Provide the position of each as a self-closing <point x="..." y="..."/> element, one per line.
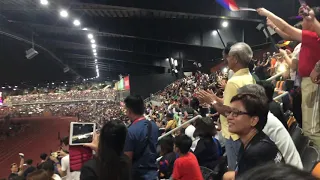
<point x="126" y="83"/>
<point x="123" y="84"/>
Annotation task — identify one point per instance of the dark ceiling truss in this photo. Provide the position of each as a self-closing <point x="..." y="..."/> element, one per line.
<point x="57" y="59"/>
<point x="102" y="10"/>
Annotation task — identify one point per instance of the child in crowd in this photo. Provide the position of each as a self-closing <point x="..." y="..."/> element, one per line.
<point x="168" y="157"/>
<point x="186" y="167"/>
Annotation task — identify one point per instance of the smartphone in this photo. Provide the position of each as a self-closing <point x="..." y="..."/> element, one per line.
<point x="81" y="133"/>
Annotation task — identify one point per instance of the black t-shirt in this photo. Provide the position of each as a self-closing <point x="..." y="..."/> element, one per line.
<point x="260" y="150"/>
<point x="89" y="170"/>
<point x="206" y="152"/>
<point x="12" y="176"/>
<point x="166" y="165"/>
<point x="29" y="170"/>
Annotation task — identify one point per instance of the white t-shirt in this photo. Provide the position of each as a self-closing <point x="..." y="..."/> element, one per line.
<point x="281" y="137"/>
<point x="189" y="132"/>
<point x="65" y="166"/>
<point x="295" y="56"/>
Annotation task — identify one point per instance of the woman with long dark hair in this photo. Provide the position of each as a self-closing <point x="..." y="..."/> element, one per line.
<point x="110" y="162"/>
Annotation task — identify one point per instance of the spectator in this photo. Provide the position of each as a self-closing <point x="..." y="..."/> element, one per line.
<point x="206" y="150"/>
<point x="49" y="168"/>
<point x="39" y="175"/>
<point x="16" y="170"/>
<point x="29" y="168"/>
<point x="308" y="58"/>
<point x="110" y="162"/>
<point x="276" y="131"/>
<point x="64" y="167"/>
<point x="247" y="118"/>
<point x="274" y="107"/>
<point x="186" y="167"/>
<point x="168" y="158"/>
<point x="238" y="59"/>
<point x="141" y="141"/>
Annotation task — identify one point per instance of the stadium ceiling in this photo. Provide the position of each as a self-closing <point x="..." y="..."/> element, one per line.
<point x="132" y="36"/>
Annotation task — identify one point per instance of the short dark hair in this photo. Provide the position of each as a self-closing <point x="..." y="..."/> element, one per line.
<point x="65" y="140"/>
<point x="205" y="127"/>
<point x="166" y="144"/>
<point x="183" y="142"/>
<point x="29" y="161"/>
<point x="273" y="171"/>
<point x="43" y="156"/>
<point x="135" y="104"/>
<point x="255" y="106"/>
<point x="268" y="88"/>
<point x="47" y="166"/>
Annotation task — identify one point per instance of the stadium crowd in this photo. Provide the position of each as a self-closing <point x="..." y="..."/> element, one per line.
<point x="243" y="132"/>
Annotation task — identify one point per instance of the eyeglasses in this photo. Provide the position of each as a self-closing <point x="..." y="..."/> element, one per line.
<point x="236" y="113"/>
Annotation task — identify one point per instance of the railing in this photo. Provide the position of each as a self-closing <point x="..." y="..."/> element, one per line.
<point x="275" y="76"/>
<point x="61" y="102"/>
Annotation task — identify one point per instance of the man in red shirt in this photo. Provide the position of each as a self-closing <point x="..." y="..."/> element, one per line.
<point x="186" y="167"/>
<point x="309" y="56"/>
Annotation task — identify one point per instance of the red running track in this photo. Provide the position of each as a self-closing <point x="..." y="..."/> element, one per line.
<point x="41" y="136"/>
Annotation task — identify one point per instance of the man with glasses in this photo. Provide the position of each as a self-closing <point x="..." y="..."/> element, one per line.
<point x="247" y="118"/>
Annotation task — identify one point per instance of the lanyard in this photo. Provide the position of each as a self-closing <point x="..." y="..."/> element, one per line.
<point x="137" y="120"/>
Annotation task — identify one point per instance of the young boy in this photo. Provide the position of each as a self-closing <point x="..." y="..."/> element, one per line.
<point x="186" y="167"/>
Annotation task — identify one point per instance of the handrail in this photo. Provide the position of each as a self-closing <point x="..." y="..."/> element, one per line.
<point x="177" y="128"/>
<point x="281" y="95"/>
<point x="274" y="77"/>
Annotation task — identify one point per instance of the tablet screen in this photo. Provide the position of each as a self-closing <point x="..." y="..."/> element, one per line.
<point x="82" y="133"/>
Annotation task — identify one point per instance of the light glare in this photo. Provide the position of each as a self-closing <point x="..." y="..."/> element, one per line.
<point x="64" y="13"/>
<point x="90" y="36"/>
<point x="225" y="24"/>
<point x="93" y="41"/>
<point x="76" y="22"/>
<point x="93" y="46"/>
<point x="94" y="50"/>
<point x="214" y="32"/>
<point x="44" y="2"/>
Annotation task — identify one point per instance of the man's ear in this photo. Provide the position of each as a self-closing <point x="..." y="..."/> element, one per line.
<point x="254" y="121"/>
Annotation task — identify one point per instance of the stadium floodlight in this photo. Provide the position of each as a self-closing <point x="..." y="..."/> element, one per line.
<point x="90" y="36"/>
<point x="95" y="60"/>
<point x="95" y="54"/>
<point x="93" y="46"/>
<point x="76" y="22"/>
<point x="214" y="32"/>
<point x="64" y="13"/>
<point x="44" y="2"/>
<point x="85" y="29"/>
<point x="225" y="24"/>
<point x="93" y="41"/>
<point x="94" y="50"/>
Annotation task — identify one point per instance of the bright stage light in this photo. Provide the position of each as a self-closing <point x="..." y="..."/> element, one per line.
<point x="76" y="22"/>
<point x="93" y="41"/>
<point x="44" y="2"/>
<point x="214" y="32"/>
<point x="64" y="13"/>
<point x="225" y="24"/>
<point x="93" y="46"/>
<point x="90" y="36"/>
<point x="94" y="50"/>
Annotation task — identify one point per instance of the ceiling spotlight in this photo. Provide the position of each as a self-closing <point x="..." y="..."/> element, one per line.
<point x="214" y="32"/>
<point x="44" y="2"/>
<point x="225" y="24"/>
<point x="93" y="41"/>
<point x="95" y="60"/>
<point x="93" y="46"/>
<point x="76" y="22"/>
<point x="167" y="59"/>
<point x="64" y="13"/>
<point x="95" y="54"/>
<point x="94" y="50"/>
<point x="90" y="36"/>
<point x="85" y="29"/>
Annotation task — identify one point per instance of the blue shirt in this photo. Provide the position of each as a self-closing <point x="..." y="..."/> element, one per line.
<point x="143" y="163"/>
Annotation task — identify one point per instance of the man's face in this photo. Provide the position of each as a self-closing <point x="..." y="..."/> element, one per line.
<point x="14" y="168"/>
<point x="231" y="61"/>
<point x="238" y="121"/>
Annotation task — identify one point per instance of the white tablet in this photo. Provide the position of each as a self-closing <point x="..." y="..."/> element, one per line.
<point x="81" y="133"/>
